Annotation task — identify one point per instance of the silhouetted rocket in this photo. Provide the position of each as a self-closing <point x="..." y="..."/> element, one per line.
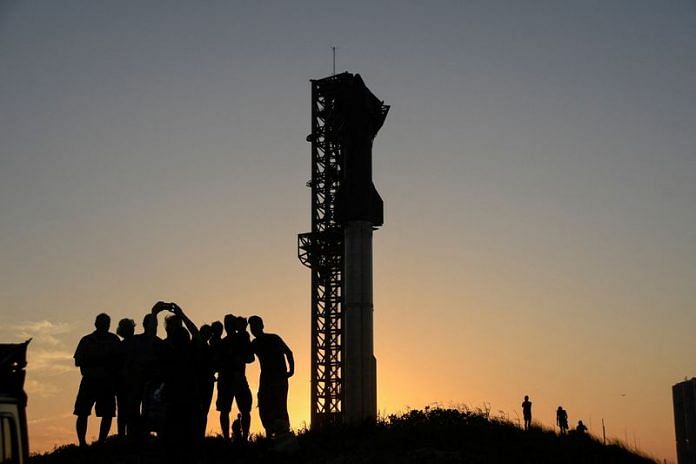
<point x="359" y="115"/>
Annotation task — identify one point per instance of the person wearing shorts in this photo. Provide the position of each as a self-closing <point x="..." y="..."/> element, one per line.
<point x="233" y="353"/>
<point x="277" y="366"/>
<point x="97" y="357"/>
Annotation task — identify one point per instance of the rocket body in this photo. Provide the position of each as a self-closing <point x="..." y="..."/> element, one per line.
<point x="360" y="366"/>
<point x="359" y="116"/>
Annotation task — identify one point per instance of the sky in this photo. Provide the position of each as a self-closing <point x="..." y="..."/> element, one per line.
<point x="537" y="167"/>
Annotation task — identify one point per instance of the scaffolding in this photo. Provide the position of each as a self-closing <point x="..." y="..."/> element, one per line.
<point x="322" y="251"/>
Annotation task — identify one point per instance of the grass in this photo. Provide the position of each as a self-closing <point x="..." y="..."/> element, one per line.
<point x="435" y="436"/>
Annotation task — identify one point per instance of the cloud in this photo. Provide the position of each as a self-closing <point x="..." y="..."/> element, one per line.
<point x="41" y="332"/>
<point x="50" y="362"/>
<point x="49" y="353"/>
<point x="40" y="389"/>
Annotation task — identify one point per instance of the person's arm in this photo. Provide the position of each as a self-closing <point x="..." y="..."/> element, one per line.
<point x="249" y="355"/>
<point x="291" y="359"/>
<point x="193" y="330"/>
<point x="79" y="355"/>
<point x="159" y="307"/>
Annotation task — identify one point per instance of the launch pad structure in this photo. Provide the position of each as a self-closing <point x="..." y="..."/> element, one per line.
<point x="346" y="208"/>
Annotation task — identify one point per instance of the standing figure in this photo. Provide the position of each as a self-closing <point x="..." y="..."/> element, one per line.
<point x="205" y="374"/>
<point x="124" y="390"/>
<point x="145" y="375"/>
<point x="273" y="382"/>
<point x="180" y="396"/>
<point x="96" y="356"/>
<point x="233" y="353"/>
<point x="527" y="412"/>
<point x="581" y="429"/>
<point x="237" y="430"/>
<point x="562" y="420"/>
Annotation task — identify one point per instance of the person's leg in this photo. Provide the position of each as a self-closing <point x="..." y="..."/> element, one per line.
<point x="278" y="406"/>
<point x="244" y="405"/>
<point x="225" y="424"/>
<point x="121" y="416"/>
<point x="83" y="408"/>
<point x="206" y="399"/>
<point x="81" y="429"/>
<point x="105" y="408"/>
<point x="104" y="428"/>
<point x="224" y="406"/>
<point x="265" y="409"/>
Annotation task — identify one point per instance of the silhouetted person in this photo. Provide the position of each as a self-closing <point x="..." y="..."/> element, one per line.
<point x="581" y="429"/>
<point x="562" y="420"/>
<point x="237" y="429"/>
<point x="124" y="390"/>
<point x="205" y="374"/>
<point x="145" y="374"/>
<point x="96" y="356"/>
<point x="527" y="412"/>
<point x="181" y="399"/>
<point x="273" y="382"/>
<point x="234" y="352"/>
<point x="216" y="329"/>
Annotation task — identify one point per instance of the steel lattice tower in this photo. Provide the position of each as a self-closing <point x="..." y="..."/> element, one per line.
<point x="322" y="251"/>
<point x="340" y="200"/>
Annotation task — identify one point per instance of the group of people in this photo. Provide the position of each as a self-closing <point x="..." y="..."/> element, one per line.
<point x="561" y="418"/>
<point x="166" y="385"/>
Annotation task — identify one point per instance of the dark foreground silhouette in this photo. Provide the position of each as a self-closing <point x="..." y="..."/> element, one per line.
<point x="431" y="436"/>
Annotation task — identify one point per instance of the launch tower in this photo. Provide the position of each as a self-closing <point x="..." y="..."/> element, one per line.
<point x="346" y="208"/>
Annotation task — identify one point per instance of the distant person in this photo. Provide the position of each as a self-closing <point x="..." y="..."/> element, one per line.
<point x="125" y="389"/>
<point x="237" y="430"/>
<point x="96" y="356"/>
<point x="234" y="352"/>
<point x="581" y="429"/>
<point x="562" y="420"/>
<point x="273" y="382"/>
<point x="527" y="412"/>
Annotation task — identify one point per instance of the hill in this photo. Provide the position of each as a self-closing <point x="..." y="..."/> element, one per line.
<point x="430" y="436"/>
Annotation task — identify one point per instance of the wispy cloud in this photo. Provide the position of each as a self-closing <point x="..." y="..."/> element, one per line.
<point x="42" y="332"/>
<point x="50" y="362"/>
<point x="41" y="389"/>
<point x="49" y="353"/>
<point x="41" y="420"/>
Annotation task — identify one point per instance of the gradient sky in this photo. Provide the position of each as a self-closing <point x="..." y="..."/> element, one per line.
<point x="537" y="166"/>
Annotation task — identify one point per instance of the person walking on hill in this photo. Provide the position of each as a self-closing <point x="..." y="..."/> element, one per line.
<point x="97" y="357"/>
<point x="527" y="412"/>
<point x="273" y="382"/>
<point x="562" y="420"/>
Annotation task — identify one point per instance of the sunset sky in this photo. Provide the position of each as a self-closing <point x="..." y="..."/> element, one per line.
<point x="538" y="170"/>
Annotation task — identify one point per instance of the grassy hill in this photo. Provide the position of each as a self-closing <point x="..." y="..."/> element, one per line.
<point x="430" y="436"/>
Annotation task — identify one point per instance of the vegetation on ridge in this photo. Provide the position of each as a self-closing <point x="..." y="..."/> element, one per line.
<point x="427" y="436"/>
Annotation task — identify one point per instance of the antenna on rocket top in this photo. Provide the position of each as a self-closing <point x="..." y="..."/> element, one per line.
<point x="333" y="50"/>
